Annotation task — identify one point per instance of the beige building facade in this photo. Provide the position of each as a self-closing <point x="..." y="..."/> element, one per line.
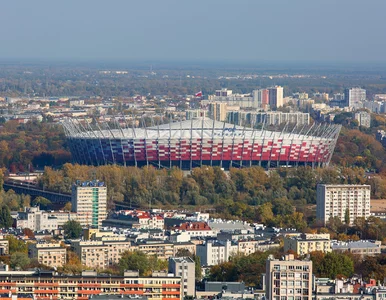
<point x="306" y="243"/>
<point x="49" y="254"/>
<point x="288" y="279"/>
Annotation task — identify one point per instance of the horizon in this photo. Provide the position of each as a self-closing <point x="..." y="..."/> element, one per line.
<point x="347" y="31"/>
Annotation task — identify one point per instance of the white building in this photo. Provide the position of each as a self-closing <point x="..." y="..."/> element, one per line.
<point x="363" y="118"/>
<point x="36" y="219"/>
<point x="89" y="201"/>
<point x="215" y="252"/>
<point x="342" y="200"/>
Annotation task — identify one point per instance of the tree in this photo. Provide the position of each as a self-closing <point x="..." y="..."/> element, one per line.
<point x="6" y="220"/>
<point x="43" y="203"/>
<point x="333" y="264"/>
<point x="182" y="252"/>
<point x="72" y="229"/>
<point x="68" y="206"/>
<point x="137" y="260"/>
<point x="16" y="245"/>
<point x="19" y="260"/>
<point x="197" y="267"/>
<point x="347" y="216"/>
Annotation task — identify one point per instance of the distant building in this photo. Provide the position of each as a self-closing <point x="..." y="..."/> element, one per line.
<point x="306" y="243"/>
<point x="215" y="252"/>
<point x="36" y="219"/>
<point x="288" y="278"/>
<point x="184" y="267"/>
<point x="361" y="248"/>
<point x="217" y="111"/>
<point x="49" y="254"/>
<point x="341" y="200"/>
<point x="101" y="254"/>
<point x="268" y="118"/>
<point x="89" y="201"/>
<point x="363" y="118"/>
<point x="275" y="97"/>
<point x="354" y="97"/>
<point x="195" y="113"/>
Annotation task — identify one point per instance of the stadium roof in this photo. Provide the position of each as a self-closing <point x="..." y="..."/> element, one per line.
<point x="194" y="128"/>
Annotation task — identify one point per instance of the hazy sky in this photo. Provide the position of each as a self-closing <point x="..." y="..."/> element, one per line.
<point x="197" y="30"/>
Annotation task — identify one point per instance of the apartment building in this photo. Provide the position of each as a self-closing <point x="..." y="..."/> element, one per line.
<point x="217" y="111"/>
<point x="101" y="254"/>
<point x="89" y="201"/>
<point x="288" y="279"/>
<point x="51" y="285"/>
<point x="49" y="254"/>
<point x="163" y="249"/>
<point x="306" y="243"/>
<point x="215" y="252"/>
<point x="184" y="267"/>
<point x="36" y="219"/>
<point x="63" y="216"/>
<point x="363" y="118"/>
<point x="342" y="201"/>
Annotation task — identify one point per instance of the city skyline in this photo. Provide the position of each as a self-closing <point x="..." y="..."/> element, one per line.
<point x="265" y="31"/>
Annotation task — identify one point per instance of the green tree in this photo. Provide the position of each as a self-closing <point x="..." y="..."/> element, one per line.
<point x="347" y="216"/>
<point x="334" y="264"/>
<point x="137" y="260"/>
<point x="197" y="267"/>
<point x="16" y="245"/>
<point x="42" y="202"/>
<point x="6" y="220"/>
<point x="72" y="229"/>
<point x="19" y="260"/>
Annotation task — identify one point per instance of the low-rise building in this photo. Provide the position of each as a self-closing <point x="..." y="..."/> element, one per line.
<point x="36" y="219"/>
<point x="162" y="249"/>
<point x="101" y="254"/>
<point x="306" y="243"/>
<point x="196" y="229"/>
<point x="49" y="254"/>
<point x="362" y="247"/>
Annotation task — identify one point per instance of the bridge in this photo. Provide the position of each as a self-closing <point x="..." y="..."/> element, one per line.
<point x="58" y="200"/>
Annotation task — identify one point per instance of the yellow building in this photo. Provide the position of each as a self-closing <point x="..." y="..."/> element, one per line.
<point x="306" y="243"/>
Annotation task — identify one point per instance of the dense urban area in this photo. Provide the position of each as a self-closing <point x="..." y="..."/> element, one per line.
<point x="172" y="182"/>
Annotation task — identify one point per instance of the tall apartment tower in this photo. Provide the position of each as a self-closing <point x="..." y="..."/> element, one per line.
<point x="89" y="201"/>
<point x="275" y="97"/>
<point x="218" y="111"/>
<point x="288" y="279"/>
<point x="342" y="201"/>
<point x="354" y="97"/>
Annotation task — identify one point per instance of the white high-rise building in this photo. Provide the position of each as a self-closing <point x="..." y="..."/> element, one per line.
<point x="89" y="201"/>
<point x="339" y="200"/>
<point x="354" y="97"/>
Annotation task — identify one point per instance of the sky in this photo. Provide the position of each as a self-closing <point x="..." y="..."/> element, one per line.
<point x="196" y="30"/>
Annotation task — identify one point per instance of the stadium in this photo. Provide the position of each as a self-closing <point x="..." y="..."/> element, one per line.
<point x="198" y="142"/>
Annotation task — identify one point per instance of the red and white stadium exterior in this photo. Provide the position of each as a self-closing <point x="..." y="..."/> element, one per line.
<point x="199" y="142"/>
